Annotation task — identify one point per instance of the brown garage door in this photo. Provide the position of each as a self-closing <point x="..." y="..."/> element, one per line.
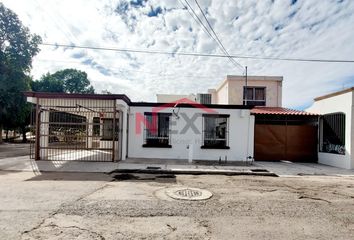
<point x="285" y="142"/>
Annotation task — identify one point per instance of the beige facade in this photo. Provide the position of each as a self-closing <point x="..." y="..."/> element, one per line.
<point x="230" y="91"/>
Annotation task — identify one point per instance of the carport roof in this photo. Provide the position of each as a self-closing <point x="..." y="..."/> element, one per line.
<point x="78" y="96"/>
<point x="280" y="111"/>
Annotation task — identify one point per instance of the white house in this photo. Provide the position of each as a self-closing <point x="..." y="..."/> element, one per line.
<point x="336" y="132"/>
<point x="110" y="127"/>
<point x="192" y="131"/>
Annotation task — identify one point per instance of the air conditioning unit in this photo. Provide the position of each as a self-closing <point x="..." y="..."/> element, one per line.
<point x="204" y="98"/>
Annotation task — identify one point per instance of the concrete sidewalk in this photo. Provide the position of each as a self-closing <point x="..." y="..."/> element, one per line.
<point x="23" y="163"/>
<point x="286" y="168"/>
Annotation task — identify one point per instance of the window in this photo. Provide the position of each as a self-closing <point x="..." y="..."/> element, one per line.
<point x="107" y="129"/>
<point x="215" y="131"/>
<point x="157" y="135"/>
<point x="254" y="96"/>
<point x="332" y="133"/>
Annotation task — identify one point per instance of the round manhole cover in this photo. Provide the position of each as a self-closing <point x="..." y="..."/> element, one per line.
<point x="186" y="193"/>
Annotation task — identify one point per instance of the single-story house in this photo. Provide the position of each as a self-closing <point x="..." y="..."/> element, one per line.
<point x="110" y="127"/>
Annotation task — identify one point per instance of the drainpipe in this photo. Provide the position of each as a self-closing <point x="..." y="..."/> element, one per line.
<point x="245" y="90"/>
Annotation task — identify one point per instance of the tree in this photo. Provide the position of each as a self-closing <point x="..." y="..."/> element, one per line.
<point x="17" y="48"/>
<point x="67" y="80"/>
<point x="48" y="83"/>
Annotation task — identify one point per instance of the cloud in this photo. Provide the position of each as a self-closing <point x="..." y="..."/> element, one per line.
<point x="279" y="28"/>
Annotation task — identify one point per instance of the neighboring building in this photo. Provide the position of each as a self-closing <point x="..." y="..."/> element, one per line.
<point x="336" y="132"/>
<point x="261" y="91"/>
<point x="167" y="98"/>
<point x="109" y="127"/>
<point x="203" y="98"/>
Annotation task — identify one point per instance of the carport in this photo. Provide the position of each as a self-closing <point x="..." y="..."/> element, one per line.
<point x="79" y="127"/>
<point x="285" y="134"/>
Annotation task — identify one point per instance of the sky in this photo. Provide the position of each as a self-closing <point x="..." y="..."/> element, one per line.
<point x="274" y="28"/>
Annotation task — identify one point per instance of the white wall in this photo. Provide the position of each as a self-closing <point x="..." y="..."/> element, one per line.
<point x="340" y="103"/>
<point x="241" y="125"/>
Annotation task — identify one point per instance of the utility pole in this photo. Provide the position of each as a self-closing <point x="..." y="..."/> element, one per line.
<point x="245" y="90"/>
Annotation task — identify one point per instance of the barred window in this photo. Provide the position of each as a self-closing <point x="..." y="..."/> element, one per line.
<point x="107" y="129"/>
<point x="332" y="134"/>
<point x="157" y="134"/>
<point x="215" y="131"/>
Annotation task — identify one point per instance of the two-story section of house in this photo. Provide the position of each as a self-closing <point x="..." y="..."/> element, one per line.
<point x="258" y="91"/>
<point x="279" y="133"/>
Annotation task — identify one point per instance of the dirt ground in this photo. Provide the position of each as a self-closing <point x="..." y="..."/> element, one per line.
<point x="97" y="206"/>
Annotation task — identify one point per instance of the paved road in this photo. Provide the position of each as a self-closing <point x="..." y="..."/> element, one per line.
<point x="8" y="150"/>
<point x="92" y="206"/>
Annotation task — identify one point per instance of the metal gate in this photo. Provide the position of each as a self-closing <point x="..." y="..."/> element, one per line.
<point x="285" y="142"/>
<point x="76" y="130"/>
<point x="290" y="137"/>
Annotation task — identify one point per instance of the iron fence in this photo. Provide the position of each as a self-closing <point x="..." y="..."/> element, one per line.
<point x="75" y="129"/>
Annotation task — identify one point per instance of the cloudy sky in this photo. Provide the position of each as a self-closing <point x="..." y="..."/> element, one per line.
<point x="277" y="28"/>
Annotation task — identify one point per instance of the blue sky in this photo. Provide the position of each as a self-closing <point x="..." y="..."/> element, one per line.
<point x="277" y="28"/>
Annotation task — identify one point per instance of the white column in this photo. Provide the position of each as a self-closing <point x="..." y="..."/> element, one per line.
<point x="44" y="139"/>
<point x="124" y="133"/>
<point x="250" y="147"/>
<point x="89" y="132"/>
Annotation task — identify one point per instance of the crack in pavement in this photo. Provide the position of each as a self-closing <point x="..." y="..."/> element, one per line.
<point x="314" y="198"/>
<point x="60" y="207"/>
<point x="79" y="228"/>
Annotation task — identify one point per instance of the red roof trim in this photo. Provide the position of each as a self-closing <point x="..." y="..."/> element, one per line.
<point x="280" y="111"/>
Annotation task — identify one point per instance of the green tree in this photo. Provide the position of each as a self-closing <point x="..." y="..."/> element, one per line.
<point x="17" y="48"/>
<point x="67" y="80"/>
<point x="48" y="83"/>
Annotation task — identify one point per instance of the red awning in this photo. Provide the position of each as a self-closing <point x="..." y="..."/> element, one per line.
<point x="280" y="111"/>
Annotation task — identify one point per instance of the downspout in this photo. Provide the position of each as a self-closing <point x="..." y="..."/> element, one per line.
<point x="245" y="90"/>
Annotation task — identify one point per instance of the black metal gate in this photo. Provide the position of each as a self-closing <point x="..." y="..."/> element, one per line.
<point x="76" y="130"/>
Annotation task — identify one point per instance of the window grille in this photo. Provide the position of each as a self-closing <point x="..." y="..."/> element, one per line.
<point x="157" y="134"/>
<point x="215" y="131"/>
<point x="332" y="134"/>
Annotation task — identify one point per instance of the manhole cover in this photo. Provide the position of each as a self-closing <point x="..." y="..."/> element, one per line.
<point x="185" y="193"/>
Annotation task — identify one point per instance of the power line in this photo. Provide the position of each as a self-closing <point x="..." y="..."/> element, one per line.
<point x="196" y="18"/>
<point x="130" y="70"/>
<point x="192" y="16"/>
<point x="206" y="30"/>
<point x="200" y="22"/>
<point x="197" y="54"/>
<point x="216" y="36"/>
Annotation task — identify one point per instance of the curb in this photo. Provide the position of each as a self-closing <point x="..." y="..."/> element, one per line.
<point x="196" y="172"/>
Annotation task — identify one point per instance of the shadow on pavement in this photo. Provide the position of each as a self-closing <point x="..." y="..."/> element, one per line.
<point x="161" y="178"/>
<point x="70" y="176"/>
